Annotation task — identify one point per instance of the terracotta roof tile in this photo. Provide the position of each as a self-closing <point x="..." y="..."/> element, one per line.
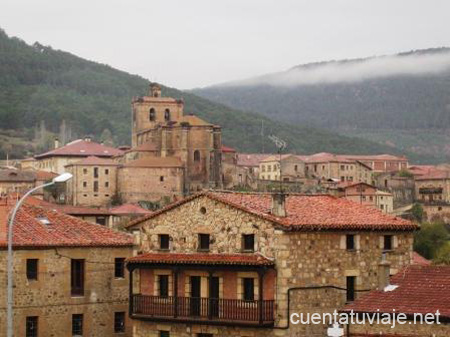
<point x="12" y="175"/>
<point x="129" y="209"/>
<point x="251" y="159"/>
<point x="421" y="289"/>
<point x="420" y="260"/>
<point x="305" y="212"/>
<point x="228" y="149"/>
<point x="202" y="258"/>
<point x="61" y="231"/>
<point x="67" y="209"/>
<point x="82" y="148"/>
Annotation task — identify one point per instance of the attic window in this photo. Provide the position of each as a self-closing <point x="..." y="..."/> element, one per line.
<point x="43" y="220"/>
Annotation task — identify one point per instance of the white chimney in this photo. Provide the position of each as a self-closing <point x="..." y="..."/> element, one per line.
<point x="279" y="204"/>
<point x="56" y="142"/>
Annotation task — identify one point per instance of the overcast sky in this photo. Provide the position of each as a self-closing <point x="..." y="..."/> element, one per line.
<point x="196" y="43"/>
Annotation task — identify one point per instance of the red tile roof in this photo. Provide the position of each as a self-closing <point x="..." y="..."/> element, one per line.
<point x="251" y="159"/>
<point x="94" y="161"/>
<point x="202" y="258"/>
<point x="13" y="175"/>
<point x="305" y="212"/>
<point x="420" y="260"/>
<point x="67" y="209"/>
<point x="228" y="149"/>
<point x="421" y="289"/>
<point x="434" y="175"/>
<point x="129" y="209"/>
<point x="45" y="176"/>
<point x="82" y="148"/>
<point x="31" y="230"/>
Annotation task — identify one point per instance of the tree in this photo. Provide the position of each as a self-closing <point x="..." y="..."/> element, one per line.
<point x="431" y="238"/>
<point x="417" y="212"/>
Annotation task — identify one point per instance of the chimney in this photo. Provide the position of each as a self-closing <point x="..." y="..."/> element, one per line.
<point x="279" y="204"/>
<point x="384" y="269"/>
<point x="87" y="138"/>
<point x="56" y="142"/>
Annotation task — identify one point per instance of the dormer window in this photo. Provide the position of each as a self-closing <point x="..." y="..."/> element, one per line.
<point x="152" y="115"/>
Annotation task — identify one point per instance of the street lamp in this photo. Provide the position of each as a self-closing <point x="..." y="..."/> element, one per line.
<point x="59" y="179"/>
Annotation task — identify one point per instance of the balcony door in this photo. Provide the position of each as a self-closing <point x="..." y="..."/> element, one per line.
<point x="196" y="291"/>
<point x="214" y="297"/>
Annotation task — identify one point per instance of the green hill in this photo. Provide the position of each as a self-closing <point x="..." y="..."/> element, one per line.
<point x="44" y="91"/>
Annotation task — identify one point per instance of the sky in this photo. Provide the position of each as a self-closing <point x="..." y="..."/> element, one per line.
<point x="196" y="43"/>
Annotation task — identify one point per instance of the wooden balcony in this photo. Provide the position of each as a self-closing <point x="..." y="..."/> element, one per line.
<point x="203" y="310"/>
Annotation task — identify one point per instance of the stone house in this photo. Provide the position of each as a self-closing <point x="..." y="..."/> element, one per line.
<point x="402" y="187"/>
<point x="382" y="162"/>
<point x="289" y="168"/>
<point x="150" y="179"/>
<point x="20" y="181"/>
<point x="248" y="168"/>
<point x="57" y="159"/>
<point x="414" y="292"/>
<point x="69" y="276"/>
<point x="237" y="264"/>
<point x="161" y="122"/>
<point x="368" y="195"/>
<point x="94" y="182"/>
<point x="230" y="177"/>
<point x="326" y="166"/>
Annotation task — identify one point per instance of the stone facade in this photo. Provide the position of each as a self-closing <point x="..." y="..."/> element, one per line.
<point x="370" y="196"/>
<point x="292" y="168"/>
<point x="339" y="170"/>
<point x="93" y="184"/>
<point x="49" y="297"/>
<point x="303" y="259"/>
<point x="161" y="122"/>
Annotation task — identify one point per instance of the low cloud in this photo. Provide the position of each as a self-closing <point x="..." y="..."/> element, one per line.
<point x="355" y="71"/>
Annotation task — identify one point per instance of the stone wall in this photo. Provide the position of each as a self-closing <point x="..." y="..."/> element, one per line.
<point x="50" y="298"/>
<point x="406" y="330"/>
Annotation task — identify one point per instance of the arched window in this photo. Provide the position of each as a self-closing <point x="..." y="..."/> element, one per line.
<point x="167" y="115"/>
<point x="152" y="115"/>
<point x="196" y="155"/>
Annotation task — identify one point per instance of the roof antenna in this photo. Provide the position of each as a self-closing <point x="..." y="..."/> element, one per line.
<point x="281" y="145"/>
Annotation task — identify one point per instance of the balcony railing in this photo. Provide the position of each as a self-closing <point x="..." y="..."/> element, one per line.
<point x="203" y="309"/>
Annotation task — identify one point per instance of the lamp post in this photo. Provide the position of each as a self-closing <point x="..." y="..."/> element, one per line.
<point x="59" y="179"/>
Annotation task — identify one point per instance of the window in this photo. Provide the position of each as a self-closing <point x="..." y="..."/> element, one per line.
<point x="85" y="171"/>
<point x="203" y="242"/>
<point x="107" y="184"/>
<point x="95" y="186"/>
<point x="85" y="184"/>
<point x="152" y="115"/>
<point x="295" y="168"/>
<point x="249" y="289"/>
<point x="263" y="167"/>
<point x="77" y="325"/>
<point x="31" y="326"/>
<point x="119" y="267"/>
<point x="161" y="178"/>
<point x="350" y="242"/>
<point x="119" y="322"/>
<point x="204" y="335"/>
<point x="95" y="172"/>
<point x="77" y="277"/>
<point x="164" y="241"/>
<point x="342" y="167"/>
<point x="164" y="334"/>
<point x="100" y="220"/>
<point x="342" y="179"/>
<point x="167" y="115"/>
<point x="163" y="283"/>
<point x="32" y="269"/>
<point x="248" y="242"/>
<point x="196" y="155"/>
<point x="269" y="168"/>
<point x="387" y="242"/>
<point x="351" y="281"/>
<point x="106" y="171"/>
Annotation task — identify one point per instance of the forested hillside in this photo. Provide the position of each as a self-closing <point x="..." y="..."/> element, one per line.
<point x="399" y="100"/>
<point x="44" y="92"/>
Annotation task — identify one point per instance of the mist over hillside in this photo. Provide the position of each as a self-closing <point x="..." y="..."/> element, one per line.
<point x="403" y="97"/>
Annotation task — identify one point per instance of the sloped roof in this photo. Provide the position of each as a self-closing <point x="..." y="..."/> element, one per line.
<point x="127" y="209"/>
<point x="37" y="227"/>
<point x="94" y="161"/>
<point x="45" y="176"/>
<point x="67" y="209"/>
<point x="201" y="259"/>
<point x="276" y="157"/>
<point x="420" y="260"/>
<point x="304" y="212"/>
<point x="193" y="120"/>
<point x="251" y="159"/>
<point x="144" y="147"/>
<point x="155" y="162"/>
<point x="228" y="149"/>
<point x="434" y="175"/>
<point x="82" y="148"/>
<point x="377" y="157"/>
<point x="421" y="289"/>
